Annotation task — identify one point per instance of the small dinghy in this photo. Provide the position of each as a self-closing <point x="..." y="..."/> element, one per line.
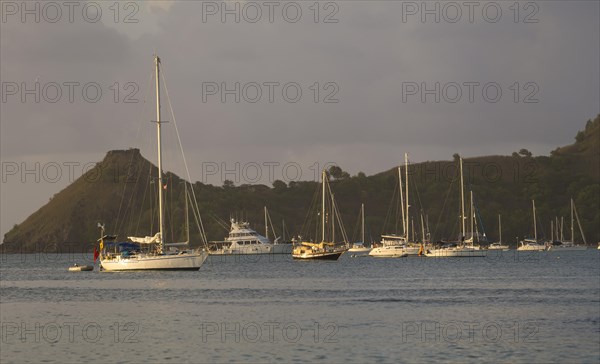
<point x="80" y="268"/>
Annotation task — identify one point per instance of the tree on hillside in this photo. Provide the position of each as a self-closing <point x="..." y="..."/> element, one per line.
<point x="337" y="173"/>
<point x="279" y="185"/>
<point x="525" y="153"/>
<point x="589" y="124"/>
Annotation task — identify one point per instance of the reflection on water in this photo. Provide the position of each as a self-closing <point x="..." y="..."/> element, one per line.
<point x="510" y="306"/>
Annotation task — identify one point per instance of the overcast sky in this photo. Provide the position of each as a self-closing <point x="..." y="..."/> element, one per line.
<point x="374" y="57"/>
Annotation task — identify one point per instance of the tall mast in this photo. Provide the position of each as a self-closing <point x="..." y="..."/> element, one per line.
<point x="406" y="181"/>
<point x="323" y="209"/>
<point x="332" y="219"/>
<point x="422" y="228"/>
<point x="534" y="222"/>
<point x="475" y="222"/>
<point x="557" y="227"/>
<point x="362" y="210"/>
<point x="500" y="227"/>
<point x="401" y="200"/>
<point x="462" y="200"/>
<point x="266" y="225"/>
<point x="187" y="216"/>
<point x="562" y="223"/>
<point x="158" y="134"/>
<point x="572" y="224"/>
<point x="427" y="225"/>
<point x="472" y="213"/>
<point x="578" y="223"/>
<point x="551" y="230"/>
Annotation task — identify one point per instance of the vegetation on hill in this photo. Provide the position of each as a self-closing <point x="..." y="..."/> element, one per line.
<point x="120" y="192"/>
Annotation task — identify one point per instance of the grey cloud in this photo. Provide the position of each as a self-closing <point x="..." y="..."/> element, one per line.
<point x="368" y="53"/>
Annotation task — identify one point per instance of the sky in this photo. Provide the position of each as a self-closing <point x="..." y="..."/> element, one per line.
<point x="277" y="90"/>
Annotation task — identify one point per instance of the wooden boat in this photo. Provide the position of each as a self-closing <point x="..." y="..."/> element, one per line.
<point x="326" y="249"/>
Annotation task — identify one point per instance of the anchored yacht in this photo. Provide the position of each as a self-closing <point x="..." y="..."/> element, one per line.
<point x="244" y="240"/>
<point x="327" y="248"/>
<point x="532" y="244"/>
<point x="465" y="247"/>
<point x="152" y="252"/>
<point x="562" y="245"/>
<point x="393" y="246"/>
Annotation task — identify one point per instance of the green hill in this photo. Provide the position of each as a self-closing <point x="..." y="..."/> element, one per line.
<point x="120" y="192"/>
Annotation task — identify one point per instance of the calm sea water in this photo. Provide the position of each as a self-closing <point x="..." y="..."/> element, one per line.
<point x="508" y="307"/>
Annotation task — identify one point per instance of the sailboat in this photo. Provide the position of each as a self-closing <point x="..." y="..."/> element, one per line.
<point x="499" y="245"/>
<point x="327" y="249"/>
<point x="570" y="245"/>
<point x="280" y="246"/>
<point x="532" y="244"/>
<point x="359" y="247"/>
<point x="392" y="245"/>
<point x="462" y="248"/>
<point x="151" y="252"/>
<point x="475" y="235"/>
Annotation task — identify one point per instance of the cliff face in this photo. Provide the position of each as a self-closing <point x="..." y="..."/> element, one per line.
<point x="119" y="191"/>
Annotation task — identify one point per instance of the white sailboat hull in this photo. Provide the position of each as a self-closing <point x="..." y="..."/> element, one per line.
<point x="393" y="251"/>
<point x="465" y="252"/>
<point x="184" y="261"/>
<point x="412" y="250"/>
<point x="359" y="250"/>
<point x="532" y="247"/>
<point x="498" y="247"/>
